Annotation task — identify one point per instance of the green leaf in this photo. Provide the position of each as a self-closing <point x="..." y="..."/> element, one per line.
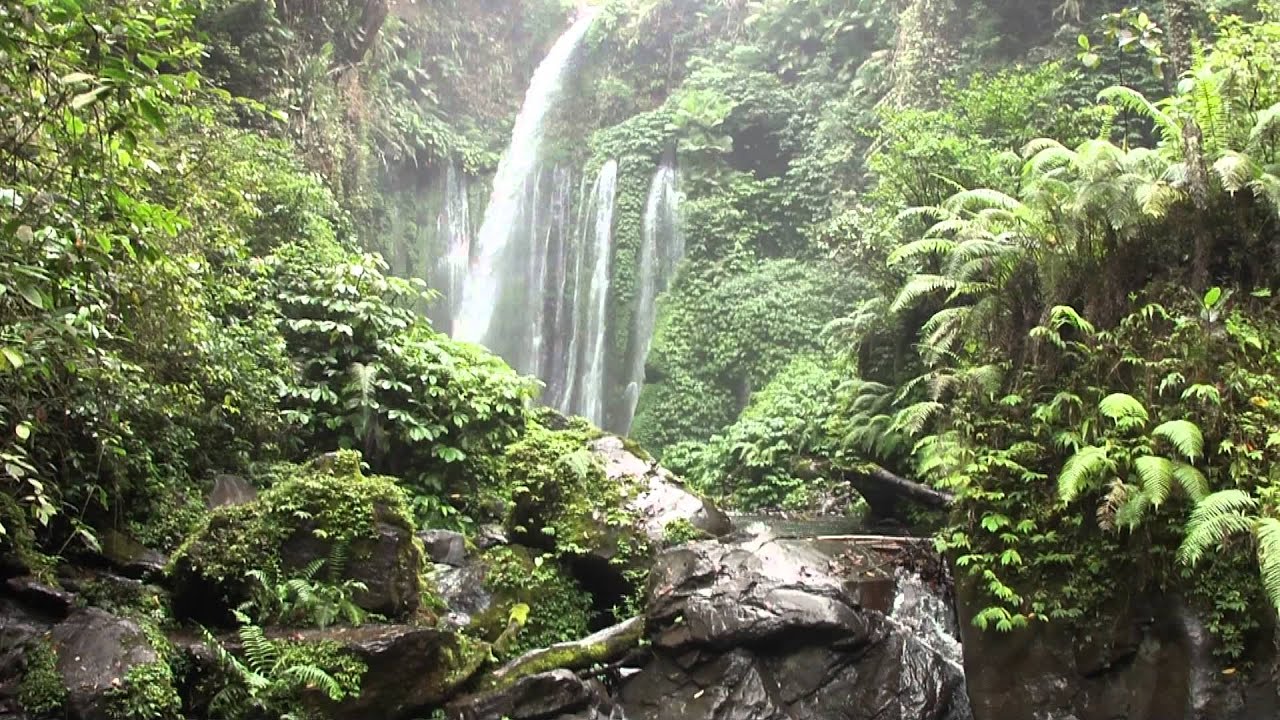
<point x="1124" y="409"/>
<point x="1212" y="297"/>
<point x="32" y="295"/>
<point x="23" y="430"/>
<point x="88" y="98"/>
<point x="75" y="77"/>
<point x="13" y="357"/>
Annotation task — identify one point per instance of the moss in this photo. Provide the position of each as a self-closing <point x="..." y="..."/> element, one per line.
<point x="561" y="499"/>
<point x="145" y="693"/>
<point x="679" y="532"/>
<point x="334" y="502"/>
<point x="570" y="656"/>
<point x="343" y="666"/>
<point x="41" y="691"/>
<point x="559" y="610"/>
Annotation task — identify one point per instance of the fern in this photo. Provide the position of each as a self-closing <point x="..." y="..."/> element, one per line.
<point x="1267" y="533"/>
<point x="1184" y="435"/>
<point x="1137" y="103"/>
<point x="1082" y="469"/>
<point x="1125" y="410"/>
<point x="1157" y="477"/>
<point x="1214" y="520"/>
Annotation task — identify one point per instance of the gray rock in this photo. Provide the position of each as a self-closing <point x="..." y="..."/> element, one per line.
<point x="131" y="557"/>
<point x="386" y="562"/>
<point x="1147" y="656"/>
<point x="537" y="697"/>
<point x="410" y="668"/>
<point x="491" y="536"/>
<point x="463" y="591"/>
<point x="231" y="490"/>
<point x="41" y="596"/>
<point x="444" y="546"/>
<point x="659" y="498"/>
<point x="95" y="651"/>
<point x="778" y="629"/>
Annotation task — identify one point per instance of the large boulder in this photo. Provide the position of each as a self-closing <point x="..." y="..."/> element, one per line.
<point x="536" y="697"/>
<point x="778" y="629"/>
<point x="1147" y="656"/>
<point x="655" y="495"/>
<point x="334" y="514"/>
<point x="410" y="668"/>
<point x="97" y="652"/>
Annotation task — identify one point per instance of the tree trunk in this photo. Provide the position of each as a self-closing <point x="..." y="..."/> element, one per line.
<point x="372" y="16"/>
<point x="925" y="53"/>
<point x="1178" y="22"/>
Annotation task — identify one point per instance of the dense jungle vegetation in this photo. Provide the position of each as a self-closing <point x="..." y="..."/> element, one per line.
<point x="1022" y="251"/>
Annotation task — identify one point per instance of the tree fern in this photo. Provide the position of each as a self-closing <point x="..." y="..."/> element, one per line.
<point x="1157" y="477"/>
<point x="1137" y="103"/>
<point x="1125" y="410"/>
<point x="918" y="287"/>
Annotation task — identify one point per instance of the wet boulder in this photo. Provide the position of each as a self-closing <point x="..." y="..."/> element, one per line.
<point x="655" y="495"/>
<point x="777" y="629"/>
<point x="410" y="668"/>
<point x="535" y="697"/>
<point x="131" y="557"/>
<point x="445" y="547"/>
<point x="359" y="528"/>
<point x="598" y="648"/>
<point x="96" y="652"/>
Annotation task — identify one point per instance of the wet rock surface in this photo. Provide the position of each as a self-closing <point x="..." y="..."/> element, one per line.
<point x="659" y="499"/>
<point x="536" y="697"/>
<point x="95" y="651"/>
<point x="1145" y="658"/>
<point x="783" y="629"/>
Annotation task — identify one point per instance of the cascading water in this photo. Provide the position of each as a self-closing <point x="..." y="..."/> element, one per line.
<point x="453" y="227"/>
<point x="662" y="248"/>
<point x="504" y="239"/>
<point x="592" y="403"/>
<point x="929" y="620"/>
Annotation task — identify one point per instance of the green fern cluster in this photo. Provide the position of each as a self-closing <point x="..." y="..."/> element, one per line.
<point x="275" y="677"/>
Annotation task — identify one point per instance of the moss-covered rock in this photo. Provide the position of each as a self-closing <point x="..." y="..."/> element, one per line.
<point x="599" y="648"/>
<point x="299" y="520"/>
<point x="533" y="602"/>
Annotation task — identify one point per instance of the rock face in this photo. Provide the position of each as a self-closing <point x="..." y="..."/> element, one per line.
<point x="95" y="650"/>
<point x="386" y="562"/>
<point x="780" y="629"/>
<point x="547" y="695"/>
<point x="409" y="668"/>
<point x="444" y="547"/>
<point x="659" y="498"/>
<point x="1147" y="658"/>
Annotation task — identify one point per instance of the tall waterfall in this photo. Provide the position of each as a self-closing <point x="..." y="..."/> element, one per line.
<point x="592" y="402"/>
<point x="504" y="241"/>
<point x="453" y="227"/>
<point x="660" y="252"/>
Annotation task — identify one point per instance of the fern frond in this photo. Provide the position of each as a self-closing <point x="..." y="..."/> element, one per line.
<point x="1137" y="103"/>
<point x="930" y="245"/>
<point x="1157" y="477"/>
<point x="913" y="418"/>
<point x="1267" y="533"/>
<point x="1235" y="171"/>
<point x="1124" y="409"/>
<point x="1184" y="435"/>
<point x="1192" y="481"/>
<point x="1214" y="520"/>
<point x="918" y="287"/>
<point x="1087" y="465"/>
<point x="260" y="652"/>
<point x="310" y="676"/>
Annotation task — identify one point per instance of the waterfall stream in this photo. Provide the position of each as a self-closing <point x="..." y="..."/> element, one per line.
<point x="504" y="238"/>
<point x="662" y="248"/>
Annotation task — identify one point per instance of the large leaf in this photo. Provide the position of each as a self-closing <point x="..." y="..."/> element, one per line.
<point x="1185" y="436"/>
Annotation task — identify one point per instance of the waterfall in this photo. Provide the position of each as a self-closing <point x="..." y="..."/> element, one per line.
<point x="453" y="227"/>
<point x="592" y="405"/>
<point x="660" y="252"/>
<point x="502" y="241"/>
